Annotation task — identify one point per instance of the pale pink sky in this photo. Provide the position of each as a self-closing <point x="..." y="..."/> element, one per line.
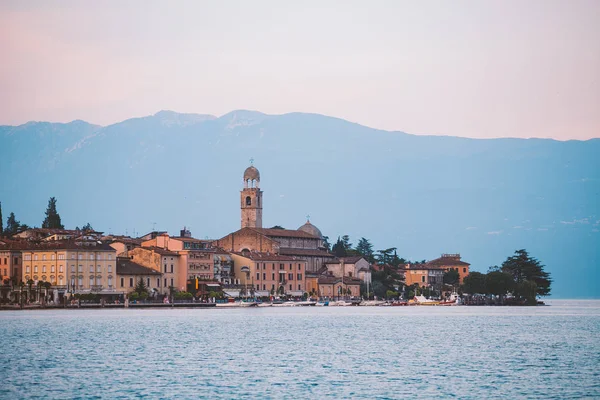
<point x="465" y="68"/>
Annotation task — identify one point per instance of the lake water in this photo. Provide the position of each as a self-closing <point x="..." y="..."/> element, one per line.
<point x="317" y="352"/>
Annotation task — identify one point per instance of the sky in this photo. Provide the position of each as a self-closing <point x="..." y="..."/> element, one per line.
<point x="478" y="69"/>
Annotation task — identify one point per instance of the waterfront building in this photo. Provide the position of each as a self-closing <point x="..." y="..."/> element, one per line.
<point x="77" y="267"/>
<point x="11" y="260"/>
<point x="432" y="272"/>
<point x="268" y="274"/>
<point x="331" y="286"/>
<point x="196" y="256"/>
<point x="165" y="262"/>
<point x="353" y="267"/>
<point x="452" y="261"/>
<point x="129" y="273"/>
<point x="122" y="244"/>
<point x="223" y="268"/>
<point x="305" y="243"/>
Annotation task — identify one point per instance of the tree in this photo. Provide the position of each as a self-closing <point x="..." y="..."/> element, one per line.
<point x="523" y="268"/>
<point x="141" y="287"/>
<point x="277" y="227"/>
<point x="326" y="243"/>
<point x="12" y="225"/>
<point x="451" y="277"/>
<point x="474" y="283"/>
<point x="385" y="256"/>
<point x="1" y="222"/>
<point x="338" y="249"/>
<point x="365" y="249"/>
<point x="87" y="227"/>
<point x="499" y="283"/>
<point x="52" y="220"/>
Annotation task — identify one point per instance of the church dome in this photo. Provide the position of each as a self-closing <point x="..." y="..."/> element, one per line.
<point x="311" y="229"/>
<point x="251" y="173"/>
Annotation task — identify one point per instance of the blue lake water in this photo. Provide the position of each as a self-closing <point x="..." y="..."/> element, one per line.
<point x="302" y="352"/>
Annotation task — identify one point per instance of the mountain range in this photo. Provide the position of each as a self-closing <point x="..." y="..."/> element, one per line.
<point x="425" y="195"/>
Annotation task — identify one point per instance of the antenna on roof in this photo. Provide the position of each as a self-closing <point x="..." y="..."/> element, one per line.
<point x="153" y="226"/>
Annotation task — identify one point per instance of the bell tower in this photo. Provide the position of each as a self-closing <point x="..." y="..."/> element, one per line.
<point x="251" y="199"/>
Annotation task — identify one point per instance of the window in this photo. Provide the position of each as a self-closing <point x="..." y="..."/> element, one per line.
<point x="91" y="268"/>
<point x="35" y="269"/>
<point x="80" y="281"/>
<point x="91" y="280"/>
<point x="110" y="281"/>
<point x="122" y="282"/>
<point x="290" y="277"/>
<point x="264" y="276"/>
<point x="5" y="261"/>
<point x="299" y="287"/>
<point x="91" y="257"/>
<point x="52" y="268"/>
<point x="98" y="268"/>
<point x="61" y="269"/>
<point x="171" y="281"/>
<point x="130" y="282"/>
<point x="43" y="269"/>
<point x="5" y="273"/>
<point x="273" y="276"/>
<point x="465" y="270"/>
<point x="171" y="268"/>
<point x="258" y="276"/>
<point x="299" y="277"/>
<point x="16" y="260"/>
<point x="290" y="286"/>
<point x="291" y="267"/>
<point x="273" y="266"/>
<point x="60" y="281"/>
<point x="43" y="257"/>
<point x="80" y="268"/>
<point x="422" y="278"/>
<point x="280" y="266"/>
<point x="61" y="256"/>
<point x="165" y="268"/>
<point x="110" y="268"/>
<point x="80" y="256"/>
<point x="165" y="282"/>
<point x="248" y="201"/>
<point x="35" y="258"/>
<point x="72" y="269"/>
<point x="157" y="282"/>
<point x="299" y="267"/>
<point x="148" y="282"/>
<point x="350" y="274"/>
<point x="273" y="286"/>
<point x="53" y="257"/>
<point x="27" y="270"/>
<point x="110" y="256"/>
<point x="264" y="287"/>
<point x="72" y="256"/>
<point x="27" y="257"/>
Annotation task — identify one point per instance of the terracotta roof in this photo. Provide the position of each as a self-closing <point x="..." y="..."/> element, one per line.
<point x="67" y="245"/>
<point x="304" y="252"/>
<point x="127" y="267"/>
<point x="285" y="233"/>
<point x="448" y="261"/>
<point x="161" y="251"/>
<point x="260" y="256"/>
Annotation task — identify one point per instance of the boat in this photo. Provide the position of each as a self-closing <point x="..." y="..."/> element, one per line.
<point x="422" y="301"/>
<point x="322" y="304"/>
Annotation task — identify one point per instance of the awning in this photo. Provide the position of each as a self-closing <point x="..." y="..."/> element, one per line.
<point x="295" y="292"/>
<point x="213" y="284"/>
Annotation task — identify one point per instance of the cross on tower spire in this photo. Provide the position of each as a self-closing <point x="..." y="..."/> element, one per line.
<point x="251" y="160"/>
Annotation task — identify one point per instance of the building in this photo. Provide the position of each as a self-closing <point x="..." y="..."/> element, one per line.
<point x="353" y="267"/>
<point x="52" y="234"/>
<point x="77" y="267"/>
<point x="165" y="262"/>
<point x="129" y="273"/>
<point x="305" y="242"/>
<point x="452" y="261"/>
<point x="196" y="257"/>
<point x="269" y="274"/>
<point x="122" y="244"/>
<point x="338" y="287"/>
<point x="11" y="260"/>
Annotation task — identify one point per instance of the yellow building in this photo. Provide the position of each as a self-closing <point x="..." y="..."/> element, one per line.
<point x="165" y="262"/>
<point x="78" y="267"/>
<point x="129" y="273"/>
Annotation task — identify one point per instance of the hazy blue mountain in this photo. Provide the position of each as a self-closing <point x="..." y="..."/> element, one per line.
<point x="425" y="195"/>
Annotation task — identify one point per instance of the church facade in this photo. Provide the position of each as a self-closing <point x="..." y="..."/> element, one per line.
<point x="305" y="243"/>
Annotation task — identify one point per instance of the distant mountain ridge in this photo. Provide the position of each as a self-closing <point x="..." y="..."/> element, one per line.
<point x="426" y="195"/>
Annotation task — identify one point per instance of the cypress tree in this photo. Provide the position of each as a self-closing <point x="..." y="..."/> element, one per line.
<point x="1" y="222"/>
<point x="52" y="220"/>
<point x="12" y="225"/>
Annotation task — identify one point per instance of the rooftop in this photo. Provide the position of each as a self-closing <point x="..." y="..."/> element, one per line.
<point x="127" y="267"/>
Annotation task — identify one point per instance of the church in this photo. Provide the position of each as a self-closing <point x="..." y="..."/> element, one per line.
<point x="305" y="243"/>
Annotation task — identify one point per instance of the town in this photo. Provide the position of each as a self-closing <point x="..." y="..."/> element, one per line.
<point x="50" y="265"/>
